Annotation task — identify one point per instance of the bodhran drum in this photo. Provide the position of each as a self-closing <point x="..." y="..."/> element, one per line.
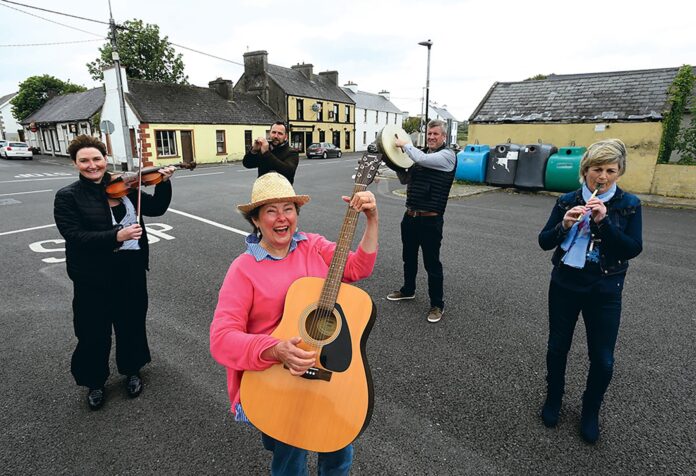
<point x="395" y="158"/>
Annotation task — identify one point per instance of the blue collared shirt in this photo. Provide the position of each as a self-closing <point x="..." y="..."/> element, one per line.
<point x="260" y="253"/>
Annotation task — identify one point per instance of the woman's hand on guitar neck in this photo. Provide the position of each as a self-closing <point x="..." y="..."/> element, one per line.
<point x="293" y="357"/>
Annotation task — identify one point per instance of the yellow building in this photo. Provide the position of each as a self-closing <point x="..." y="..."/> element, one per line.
<point x="314" y="105"/>
<point x="581" y="109"/>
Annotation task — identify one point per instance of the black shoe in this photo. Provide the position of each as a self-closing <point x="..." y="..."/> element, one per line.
<point x="95" y="398"/>
<point x="134" y="385"/>
<point x="551" y="411"/>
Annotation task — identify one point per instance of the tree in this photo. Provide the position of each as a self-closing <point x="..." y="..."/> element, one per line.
<point x="685" y="142"/>
<point x="411" y="124"/>
<point x="143" y="53"/>
<point x="35" y="91"/>
<point x="679" y="93"/>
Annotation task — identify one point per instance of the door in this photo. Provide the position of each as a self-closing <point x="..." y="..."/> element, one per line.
<point x="337" y="138"/>
<point x="186" y="147"/>
<point x="308" y="140"/>
<point x="134" y="143"/>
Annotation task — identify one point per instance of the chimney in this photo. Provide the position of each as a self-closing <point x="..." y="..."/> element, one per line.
<point x="384" y="93"/>
<point x="305" y="69"/>
<point x="256" y="74"/>
<point x="331" y="76"/>
<point x="223" y="87"/>
<point x="352" y="86"/>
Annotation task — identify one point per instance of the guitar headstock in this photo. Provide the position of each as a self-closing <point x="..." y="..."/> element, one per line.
<point x="367" y="168"/>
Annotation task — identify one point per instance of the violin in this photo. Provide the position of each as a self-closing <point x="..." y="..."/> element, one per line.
<point x="122" y="184"/>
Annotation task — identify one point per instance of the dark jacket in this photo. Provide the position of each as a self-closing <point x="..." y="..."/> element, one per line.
<point x="428" y="189"/>
<point x="621" y="231"/>
<point x="83" y="217"/>
<point x="281" y="159"/>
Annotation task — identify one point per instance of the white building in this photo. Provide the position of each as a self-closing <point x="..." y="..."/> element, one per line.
<point x="372" y="113"/>
<point x="441" y="113"/>
<point x="9" y="127"/>
<point x="61" y="119"/>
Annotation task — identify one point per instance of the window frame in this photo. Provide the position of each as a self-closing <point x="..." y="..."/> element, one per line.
<point x="171" y="143"/>
<point x="218" y="142"/>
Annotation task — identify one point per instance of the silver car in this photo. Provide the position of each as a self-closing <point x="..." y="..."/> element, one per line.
<point x="18" y="150"/>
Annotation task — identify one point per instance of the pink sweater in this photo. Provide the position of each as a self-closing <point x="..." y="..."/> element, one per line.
<point x="251" y="300"/>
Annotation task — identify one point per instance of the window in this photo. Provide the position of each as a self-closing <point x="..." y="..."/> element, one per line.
<point x="247" y="140"/>
<point x="347" y="140"/>
<point x="46" y="141"/>
<point x="300" y="109"/>
<point x="166" y="143"/>
<point x="322" y="136"/>
<point x="347" y="113"/>
<point x="376" y="117"/>
<point x="394" y="118"/>
<point x="365" y="116"/>
<point x="335" y="112"/>
<point x="220" y="141"/>
<point x="364" y="137"/>
<point x="386" y="121"/>
<point x="320" y="112"/>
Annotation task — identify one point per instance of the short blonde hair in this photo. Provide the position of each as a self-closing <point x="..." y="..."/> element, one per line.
<point x="607" y="151"/>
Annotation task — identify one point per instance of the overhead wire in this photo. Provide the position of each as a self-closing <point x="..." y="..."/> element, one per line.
<point x="120" y="27"/>
<point x="52" y="44"/>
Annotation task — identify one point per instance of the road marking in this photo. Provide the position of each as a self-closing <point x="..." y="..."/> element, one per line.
<point x="198" y="175"/>
<point x="24" y="193"/>
<point x="210" y="222"/>
<point x="38" y="179"/>
<point x="47" y="174"/>
<point x="26" y="229"/>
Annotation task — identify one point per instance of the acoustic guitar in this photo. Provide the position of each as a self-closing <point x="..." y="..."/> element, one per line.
<point x="330" y="405"/>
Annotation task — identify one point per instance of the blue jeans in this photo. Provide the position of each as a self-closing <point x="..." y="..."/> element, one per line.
<point x="601" y="312"/>
<point x="290" y="461"/>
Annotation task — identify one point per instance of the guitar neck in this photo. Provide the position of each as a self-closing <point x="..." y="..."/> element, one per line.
<point x="329" y="293"/>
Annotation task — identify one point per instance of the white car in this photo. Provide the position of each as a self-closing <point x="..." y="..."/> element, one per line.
<point x="19" y="150"/>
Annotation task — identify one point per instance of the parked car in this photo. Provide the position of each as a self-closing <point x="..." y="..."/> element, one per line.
<point x="323" y="150"/>
<point x="18" y="150"/>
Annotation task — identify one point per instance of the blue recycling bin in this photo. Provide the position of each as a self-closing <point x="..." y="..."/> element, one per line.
<point x="502" y="164"/>
<point x="472" y="162"/>
<point x="563" y="169"/>
<point x="531" y="165"/>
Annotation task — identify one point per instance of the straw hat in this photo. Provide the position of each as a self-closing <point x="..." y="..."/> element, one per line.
<point x="270" y="188"/>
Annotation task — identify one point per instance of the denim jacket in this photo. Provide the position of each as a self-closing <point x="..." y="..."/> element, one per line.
<point x="620" y="231"/>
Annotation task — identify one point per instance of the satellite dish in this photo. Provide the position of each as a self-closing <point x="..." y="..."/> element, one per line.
<point x="316" y="107"/>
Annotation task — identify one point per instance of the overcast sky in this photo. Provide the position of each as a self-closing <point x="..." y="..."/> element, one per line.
<point x="372" y="43"/>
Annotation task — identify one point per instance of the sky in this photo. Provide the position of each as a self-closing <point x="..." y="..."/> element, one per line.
<point x="371" y="43"/>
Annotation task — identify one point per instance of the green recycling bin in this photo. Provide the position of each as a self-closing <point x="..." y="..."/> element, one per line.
<point x="563" y="169"/>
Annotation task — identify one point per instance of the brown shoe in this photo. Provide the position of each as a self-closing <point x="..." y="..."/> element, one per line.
<point x="399" y="296"/>
<point x="435" y="314"/>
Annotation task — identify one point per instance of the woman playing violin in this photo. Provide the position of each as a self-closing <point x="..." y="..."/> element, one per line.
<point x="107" y="256"/>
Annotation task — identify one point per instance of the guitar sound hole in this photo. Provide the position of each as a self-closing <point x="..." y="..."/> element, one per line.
<point x="320" y="324"/>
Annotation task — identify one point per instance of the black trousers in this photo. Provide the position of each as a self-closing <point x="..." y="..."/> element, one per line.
<point x="117" y="301"/>
<point x="423" y="233"/>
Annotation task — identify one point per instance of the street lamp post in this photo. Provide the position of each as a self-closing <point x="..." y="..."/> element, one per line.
<point x="427" y="43"/>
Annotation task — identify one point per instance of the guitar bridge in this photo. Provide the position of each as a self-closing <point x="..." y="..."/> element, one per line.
<point x="314" y="373"/>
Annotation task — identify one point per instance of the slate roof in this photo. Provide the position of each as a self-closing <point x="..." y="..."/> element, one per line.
<point x="374" y="102"/>
<point x="443" y="113"/>
<point x="69" y="107"/>
<point x="155" y="102"/>
<point x="6" y="98"/>
<point x="294" y="83"/>
<point x="594" y="97"/>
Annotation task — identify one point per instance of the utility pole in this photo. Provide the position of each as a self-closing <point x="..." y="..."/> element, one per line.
<point x="121" y="98"/>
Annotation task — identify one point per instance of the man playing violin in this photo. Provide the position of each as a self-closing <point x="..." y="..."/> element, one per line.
<point x="273" y="155"/>
<point x="107" y="255"/>
<point x="429" y="182"/>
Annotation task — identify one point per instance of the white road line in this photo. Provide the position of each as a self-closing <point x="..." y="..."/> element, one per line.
<point x="197" y="175"/>
<point x="71" y="177"/>
<point x="26" y="229"/>
<point x="24" y="193"/>
<point x="209" y="222"/>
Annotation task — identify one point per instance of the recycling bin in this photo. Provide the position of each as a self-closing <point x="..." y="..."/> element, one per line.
<point x="502" y="164"/>
<point x="531" y="165"/>
<point x="472" y="162"/>
<point x="563" y="169"/>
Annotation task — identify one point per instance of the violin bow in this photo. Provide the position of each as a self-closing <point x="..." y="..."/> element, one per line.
<point x="140" y="185"/>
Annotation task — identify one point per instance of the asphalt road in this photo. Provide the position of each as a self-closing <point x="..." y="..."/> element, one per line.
<point x="457" y="397"/>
